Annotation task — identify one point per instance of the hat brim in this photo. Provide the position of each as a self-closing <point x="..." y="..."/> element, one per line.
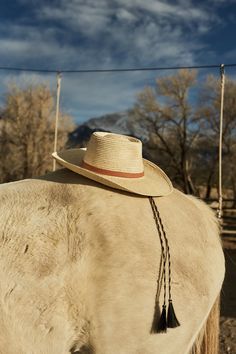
<point x="154" y="182"/>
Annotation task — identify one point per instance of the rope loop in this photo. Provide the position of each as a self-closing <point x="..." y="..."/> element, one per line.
<point x="59" y="75"/>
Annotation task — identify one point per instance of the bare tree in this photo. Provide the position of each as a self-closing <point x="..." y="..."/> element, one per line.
<point x="167" y="115"/>
<point x="27" y="132"/>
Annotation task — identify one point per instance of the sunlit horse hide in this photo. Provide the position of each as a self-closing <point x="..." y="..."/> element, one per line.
<point x="79" y="265"/>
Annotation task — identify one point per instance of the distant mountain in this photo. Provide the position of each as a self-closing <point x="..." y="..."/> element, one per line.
<point x="115" y="122"/>
<point x="80" y="136"/>
<point x="118" y="123"/>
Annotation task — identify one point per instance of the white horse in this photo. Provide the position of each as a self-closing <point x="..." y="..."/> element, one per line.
<point x="79" y="266"/>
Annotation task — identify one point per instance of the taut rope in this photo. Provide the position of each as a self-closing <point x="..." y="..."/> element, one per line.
<point x="57" y="116"/>
<point x="222" y="75"/>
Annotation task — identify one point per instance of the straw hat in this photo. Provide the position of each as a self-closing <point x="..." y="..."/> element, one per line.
<point x="116" y="160"/>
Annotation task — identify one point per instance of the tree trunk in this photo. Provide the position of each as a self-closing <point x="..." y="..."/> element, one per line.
<point x="209" y="183"/>
<point x="25" y="161"/>
<point x="234" y="192"/>
<point x="210" y="177"/>
<point x="208" y="190"/>
<point x="192" y="189"/>
<point x="188" y="185"/>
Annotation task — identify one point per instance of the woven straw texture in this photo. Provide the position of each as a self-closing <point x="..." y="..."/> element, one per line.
<point x="119" y="153"/>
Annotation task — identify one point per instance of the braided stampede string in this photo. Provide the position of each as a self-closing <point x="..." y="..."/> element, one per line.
<point x="162" y="273"/>
<point x="170" y="320"/>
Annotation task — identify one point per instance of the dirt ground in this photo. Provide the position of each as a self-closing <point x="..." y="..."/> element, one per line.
<point x="228" y="301"/>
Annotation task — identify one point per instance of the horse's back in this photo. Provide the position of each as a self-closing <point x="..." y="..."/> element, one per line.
<point x="80" y="264"/>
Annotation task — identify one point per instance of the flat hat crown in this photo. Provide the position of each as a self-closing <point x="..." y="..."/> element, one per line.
<point x="114" y="152"/>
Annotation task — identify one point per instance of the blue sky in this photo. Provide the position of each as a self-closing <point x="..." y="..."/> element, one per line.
<point x="87" y="34"/>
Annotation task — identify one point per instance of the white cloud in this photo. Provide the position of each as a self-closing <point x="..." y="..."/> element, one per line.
<point x="94" y="17"/>
<point x="161" y="9"/>
<point x="27" y="46"/>
<point x="115" y="33"/>
<point x="125" y="15"/>
<point x="87" y="17"/>
<point x="107" y="33"/>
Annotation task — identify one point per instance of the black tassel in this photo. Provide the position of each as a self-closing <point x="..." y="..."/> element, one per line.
<point x="162" y="325"/>
<point x="172" y="321"/>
